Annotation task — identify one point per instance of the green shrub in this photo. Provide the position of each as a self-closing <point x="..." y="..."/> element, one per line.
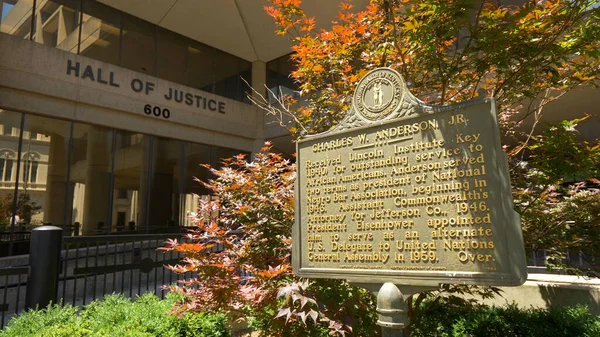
<point x="149" y="316"/>
<point x="448" y="320"/>
<point x="116" y="315"/>
<point x="205" y="325"/>
<point x="53" y="321"/>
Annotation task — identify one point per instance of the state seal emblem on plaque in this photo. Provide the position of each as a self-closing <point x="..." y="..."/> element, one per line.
<point x="379" y="93"/>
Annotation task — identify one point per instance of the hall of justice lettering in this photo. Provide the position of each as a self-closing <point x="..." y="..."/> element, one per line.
<point x="198" y="101"/>
<point x="98" y="75"/>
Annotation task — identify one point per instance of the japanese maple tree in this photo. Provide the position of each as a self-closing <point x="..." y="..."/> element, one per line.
<point x="524" y="56"/>
<point x="239" y="256"/>
<point x="446" y="50"/>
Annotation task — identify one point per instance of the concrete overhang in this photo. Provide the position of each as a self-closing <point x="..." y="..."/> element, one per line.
<point x="239" y="27"/>
<point x="242" y="28"/>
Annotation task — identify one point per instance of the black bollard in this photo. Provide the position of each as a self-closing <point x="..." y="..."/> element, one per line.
<point x="44" y="266"/>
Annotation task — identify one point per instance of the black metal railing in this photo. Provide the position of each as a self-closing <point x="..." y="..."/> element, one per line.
<point x="13" y="281"/>
<point x="20" y="240"/>
<point x="93" y="266"/>
<point x="85" y="269"/>
<point x="16" y="236"/>
<point x="81" y="269"/>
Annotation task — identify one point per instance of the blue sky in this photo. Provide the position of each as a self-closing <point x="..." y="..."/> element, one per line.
<point x="5" y="9"/>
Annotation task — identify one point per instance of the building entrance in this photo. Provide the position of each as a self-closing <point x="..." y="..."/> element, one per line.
<point x="93" y="180"/>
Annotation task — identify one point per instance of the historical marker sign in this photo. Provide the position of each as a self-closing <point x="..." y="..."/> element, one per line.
<point x="407" y="193"/>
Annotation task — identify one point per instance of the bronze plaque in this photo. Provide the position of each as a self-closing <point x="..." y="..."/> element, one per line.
<point x="407" y="193"/>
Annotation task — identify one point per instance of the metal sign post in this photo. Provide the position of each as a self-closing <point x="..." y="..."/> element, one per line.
<point x="392" y="310"/>
<point x="392" y="305"/>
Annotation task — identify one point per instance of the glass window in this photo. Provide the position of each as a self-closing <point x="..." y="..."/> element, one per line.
<point x="43" y="172"/>
<point x="68" y="30"/>
<point x="174" y="189"/>
<point x="278" y="77"/>
<point x="229" y="71"/>
<point x="8" y="169"/>
<point x="7" y="158"/>
<point x="100" y="32"/>
<point x="30" y="162"/>
<point x="191" y="191"/>
<point x="164" y="160"/>
<point x="225" y="73"/>
<point x="220" y="153"/>
<point x="15" y="17"/>
<point x="99" y="179"/>
<point x="139" y="45"/>
<point x="123" y="194"/>
<point x="57" y="24"/>
<point x="121" y="216"/>
<point x="90" y="176"/>
<point x="9" y="146"/>
<point x="47" y="23"/>
<point x="217" y="72"/>
<point x="129" y="163"/>
<point x="172" y="56"/>
<point x="244" y="81"/>
<point x="103" y="33"/>
<point x="200" y="67"/>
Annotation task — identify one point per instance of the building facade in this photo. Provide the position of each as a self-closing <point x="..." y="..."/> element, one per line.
<point x="108" y="107"/>
<point x="105" y="118"/>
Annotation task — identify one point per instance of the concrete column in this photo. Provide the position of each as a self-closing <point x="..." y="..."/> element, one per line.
<point x="97" y="180"/>
<point x="259" y="79"/>
<point x="56" y="183"/>
<point x="65" y="24"/>
<point x="39" y="32"/>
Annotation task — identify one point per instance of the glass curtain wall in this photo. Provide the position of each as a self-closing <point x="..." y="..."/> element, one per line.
<point x="91" y="180"/>
<point x="43" y="171"/>
<point x="127" y="179"/>
<point x="92" y="29"/>
<point x="172" y="58"/>
<point x="91" y="177"/>
<point x="280" y="84"/>
<point x="99" y="32"/>
<point x="174" y="168"/>
<point x="16" y="18"/>
<point x="278" y="77"/>
<point x="138" y="51"/>
<point x="10" y="151"/>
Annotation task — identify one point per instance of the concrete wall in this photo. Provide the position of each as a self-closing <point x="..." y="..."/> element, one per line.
<point x="34" y="78"/>
<point x="550" y="290"/>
